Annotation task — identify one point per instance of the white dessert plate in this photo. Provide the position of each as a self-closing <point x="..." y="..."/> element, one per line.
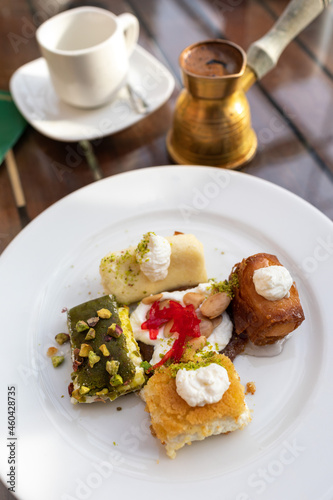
<point x="35" y="97"/>
<point x="100" y="450"/>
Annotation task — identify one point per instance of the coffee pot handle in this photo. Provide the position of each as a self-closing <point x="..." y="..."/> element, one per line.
<point x="130" y="27"/>
<point x="263" y="54"/>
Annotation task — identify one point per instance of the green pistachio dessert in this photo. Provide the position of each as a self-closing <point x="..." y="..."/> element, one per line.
<point x="106" y="357"/>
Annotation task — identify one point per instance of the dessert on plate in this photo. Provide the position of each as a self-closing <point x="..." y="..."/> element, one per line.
<point x="105" y="355"/>
<point x="266" y="305"/>
<point x="178" y="344"/>
<point x="191" y="401"/>
<point x="156" y="264"/>
<point x="209" y="302"/>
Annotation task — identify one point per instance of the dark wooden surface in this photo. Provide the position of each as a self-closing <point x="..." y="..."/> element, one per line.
<point x="292" y="107"/>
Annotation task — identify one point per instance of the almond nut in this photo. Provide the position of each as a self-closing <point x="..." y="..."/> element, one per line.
<point x="193" y="298"/>
<point x="216" y="321"/>
<point x="164" y="303"/>
<point x="151" y="299"/>
<point x="215" y="305"/>
<point x="167" y="327"/>
<point x="206" y="327"/>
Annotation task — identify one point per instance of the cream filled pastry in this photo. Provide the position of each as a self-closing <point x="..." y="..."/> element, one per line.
<point x="156" y="264"/>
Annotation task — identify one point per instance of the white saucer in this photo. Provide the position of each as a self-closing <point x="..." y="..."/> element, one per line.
<point x="35" y="97"/>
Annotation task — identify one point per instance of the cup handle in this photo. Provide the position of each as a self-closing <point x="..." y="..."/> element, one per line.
<point x="130" y="27"/>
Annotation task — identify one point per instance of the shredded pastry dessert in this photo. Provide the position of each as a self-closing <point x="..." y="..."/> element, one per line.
<point x="176" y="424"/>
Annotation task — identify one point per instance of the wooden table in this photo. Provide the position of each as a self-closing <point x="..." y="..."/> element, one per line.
<point x="292" y="107"/>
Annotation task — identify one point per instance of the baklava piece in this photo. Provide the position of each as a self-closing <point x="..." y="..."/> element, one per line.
<point x="266" y="305"/>
<point x="106" y="358"/>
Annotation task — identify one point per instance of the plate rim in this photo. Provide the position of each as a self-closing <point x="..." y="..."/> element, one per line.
<point x="143" y="171"/>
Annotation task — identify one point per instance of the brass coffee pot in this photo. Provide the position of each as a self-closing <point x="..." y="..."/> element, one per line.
<point x="212" y="122"/>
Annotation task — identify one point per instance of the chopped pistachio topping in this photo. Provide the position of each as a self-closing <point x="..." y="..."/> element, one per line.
<point x="93" y="358"/>
<point x="114" y="330"/>
<point x="194" y="365"/>
<point x="93" y="321"/>
<point x="145" y="365"/>
<point x="116" y="380"/>
<point x="62" y="338"/>
<point x="81" y="326"/>
<point x="104" y="313"/>
<point x="103" y="392"/>
<point x="109" y="259"/>
<point x="124" y="265"/>
<point x="112" y="367"/>
<point x="57" y="360"/>
<point x="142" y="248"/>
<point x="85" y="350"/>
<point x="84" y="389"/>
<point x="76" y="395"/>
<point x="104" y="350"/>
<point x="225" y="286"/>
<point x="91" y="334"/>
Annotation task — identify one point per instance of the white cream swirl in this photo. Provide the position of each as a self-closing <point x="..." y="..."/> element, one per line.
<point x="272" y="282"/>
<point x="153" y="255"/>
<point x="202" y="386"/>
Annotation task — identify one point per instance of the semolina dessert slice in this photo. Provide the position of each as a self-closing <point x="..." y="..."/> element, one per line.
<point x="175" y="423"/>
<point x="106" y="357"/>
<point x="123" y="273"/>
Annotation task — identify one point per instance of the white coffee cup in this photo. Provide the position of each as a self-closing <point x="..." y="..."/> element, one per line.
<point x="87" y="51"/>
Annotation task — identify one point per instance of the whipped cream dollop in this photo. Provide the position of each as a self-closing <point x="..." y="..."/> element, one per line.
<point x="153" y="254"/>
<point x="202" y="386"/>
<point x="272" y="282"/>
